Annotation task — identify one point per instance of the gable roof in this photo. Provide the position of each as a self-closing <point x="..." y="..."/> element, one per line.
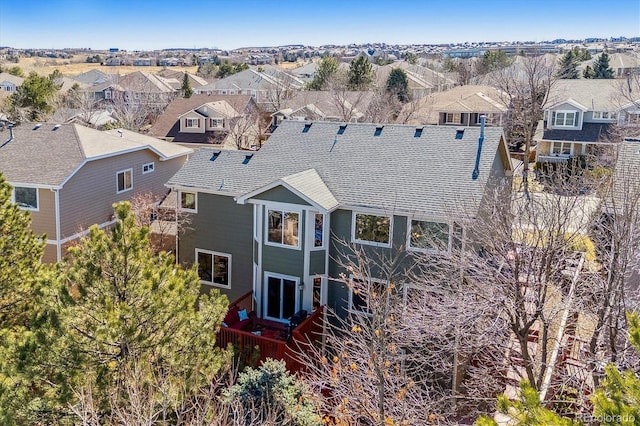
<point x="48" y="155"/>
<point x="167" y="125"/>
<point x="593" y="94"/>
<point x="14" y="79"/>
<point x="395" y="171"/>
<point x="307" y="184"/>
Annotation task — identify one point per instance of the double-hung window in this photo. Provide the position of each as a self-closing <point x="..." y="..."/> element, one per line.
<point x="561" y="148"/>
<point x="192" y="123"/>
<point x="564" y="118"/>
<point x="188" y="201"/>
<point x="283" y="228"/>
<point x="429" y="236"/>
<point x="371" y="229"/>
<point x="214" y="268"/>
<point x="124" y="180"/>
<point x="364" y="294"/>
<point x="26" y="198"/>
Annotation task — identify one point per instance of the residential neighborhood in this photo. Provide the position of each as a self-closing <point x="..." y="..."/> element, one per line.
<point x="366" y="233"/>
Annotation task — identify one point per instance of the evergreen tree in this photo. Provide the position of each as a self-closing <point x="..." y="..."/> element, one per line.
<point x="360" y="74"/>
<point x="601" y="68"/>
<point x="493" y="60"/>
<point x="526" y="411"/>
<point x="617" y="402"/>
<point x="398" y="84"/>
<point x="327" y="69"/>
<point x="186" y="91"/>
<point x="588" y="72"/>
<point x="33" y="100"/>
<point x="567" y="68"/>
<point x="126" y="310"/>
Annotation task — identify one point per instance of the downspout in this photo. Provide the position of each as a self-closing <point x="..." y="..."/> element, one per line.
<point x="56" y="193"/>
<point x="476" y="170"/>
<point x="177" y="209"/>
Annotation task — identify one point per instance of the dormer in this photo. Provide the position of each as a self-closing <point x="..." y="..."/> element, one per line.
<point x="192" y="122"/>
<point x="566" y="115"/>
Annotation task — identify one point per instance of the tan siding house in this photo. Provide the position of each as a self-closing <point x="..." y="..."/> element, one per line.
<point x="68" y="176"/>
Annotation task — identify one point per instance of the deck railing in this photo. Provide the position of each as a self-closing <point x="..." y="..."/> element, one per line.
<point x="254" y="349"/>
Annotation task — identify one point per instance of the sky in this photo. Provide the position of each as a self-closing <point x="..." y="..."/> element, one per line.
<point x="149" y="25"/>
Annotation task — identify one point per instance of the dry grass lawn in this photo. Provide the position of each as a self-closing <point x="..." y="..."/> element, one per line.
<point x="76" y="65"/>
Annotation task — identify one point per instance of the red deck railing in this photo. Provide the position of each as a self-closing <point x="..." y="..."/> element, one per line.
<point x="254" y="349"/>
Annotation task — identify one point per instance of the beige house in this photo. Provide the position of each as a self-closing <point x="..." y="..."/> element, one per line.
<point x="68" y="176"/>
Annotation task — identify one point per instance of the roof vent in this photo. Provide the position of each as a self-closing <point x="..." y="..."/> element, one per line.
<point x="378" y="131"/>
<point x="418" y="132"/>
<point x="37" y="126"/>
<point x="307" y="126"/>
<point x="247" y="158"/>
<point x="459" y="133"/>
<point x="56" y="127"/>
<point x="215" y="155"/>
<point x="342" y="128"/>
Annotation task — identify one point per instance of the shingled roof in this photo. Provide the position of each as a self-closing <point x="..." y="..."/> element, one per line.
<point x="47" y="155"/>
<point x="400" y="170"/>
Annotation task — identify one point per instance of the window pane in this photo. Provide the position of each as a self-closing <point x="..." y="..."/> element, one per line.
<point x="429" y="235"/>
<point x="275" y="227"/>
<point x="317" y="291"/>
<point x="570" y="119"/>
<point x="318" y="237"/>
<point x="221" y="270"/>
<point x="288" y="298"/>
<point x="188" y="200"/>
<point x="26" y="197"/>
<point x="372" y="228"/>
<point x="291" y="229"/>
<point x="124" y="180"/>
<point x="559" y="118"/>
<point x="273" y="297"/>
<point x="204" y="266"/>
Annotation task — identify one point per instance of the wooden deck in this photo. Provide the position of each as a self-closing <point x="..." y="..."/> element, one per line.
<point x="255" y="349"/>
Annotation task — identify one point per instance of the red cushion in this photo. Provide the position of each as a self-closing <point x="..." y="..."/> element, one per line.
<point x="240" y="325"/>
<point x="232" y="316"/>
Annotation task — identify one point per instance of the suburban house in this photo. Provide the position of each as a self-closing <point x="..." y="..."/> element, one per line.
<point x="579" y="119"/>
<point x="266" y="227"/>
<point x="204" y="119"/>
<point x="461" y="106"/>
<point x="9" y="83"/>
<point x="93" y="77"/>
<point x="418" y="85"/>
<point x="266" y="86"/>
<point x="139" y="86"/>
<point x="348" y="106"/>
<point x="68" y="176"/>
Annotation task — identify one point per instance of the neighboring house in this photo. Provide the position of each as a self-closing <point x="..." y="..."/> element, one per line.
<point x="345" y="106"/>
<point x="272" y="221"/>
<point x="461" y="106"/>
<point x="9" y="83"/>
<point x="195" y="80"/>
<point x="68" y="176"/>
<point x="94" y="77"/>
<point x="418" y="85"/>
<point x="143" y="87"/>
<point x="266" y="87"/>
<point x="579" y="120"/>
<point x="172" y="125"/>
<point x="624" y="65"/>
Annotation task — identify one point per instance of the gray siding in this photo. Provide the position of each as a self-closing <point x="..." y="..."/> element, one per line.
<point x="317" y="262"/>
<point x="88" y="196"/>
<point x="282" y="195"/>
<point x="223" y="226"/>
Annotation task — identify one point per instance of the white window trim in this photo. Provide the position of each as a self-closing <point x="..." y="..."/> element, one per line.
<point x="130" y="170"/>
<point x="266" y="299"/>
<point x="428" y="250"/>
<point x="562" y="145"/>
<point x="13" y="199"/>
<point x="182" y="209"/>
<point x="215" y="253"/>
<point x="324" y="231"/>
<point x="214" y="123"/>
<point x="189" y="123"/>
<point x="350" y="307"/>
<point x="453" y="114"/>
<point x="370" y="243"/>
<point x="283" y="211"/>
<point x="151" y="167"/>
<point x="613" y="115"/>
<point x="565" y="112"/>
